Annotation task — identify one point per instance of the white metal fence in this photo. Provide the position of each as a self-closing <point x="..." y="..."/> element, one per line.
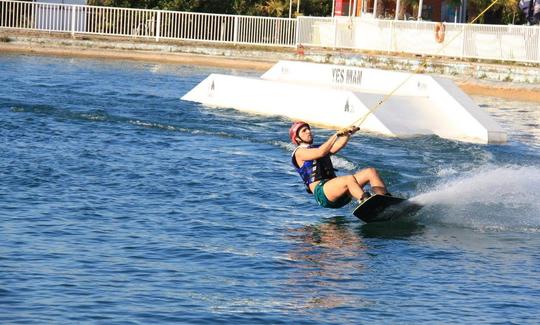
<point x="158" y="24"/>
<point x="496" y="42"/>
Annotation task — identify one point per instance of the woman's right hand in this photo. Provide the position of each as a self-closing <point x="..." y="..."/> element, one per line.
<point x="353" y="129"/>
<point x="343" y="132"/>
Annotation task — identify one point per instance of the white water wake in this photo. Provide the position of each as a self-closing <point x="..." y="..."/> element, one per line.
<point x="492" y="198"/>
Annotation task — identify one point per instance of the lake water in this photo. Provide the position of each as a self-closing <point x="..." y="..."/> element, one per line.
<point x="122" y="204"/>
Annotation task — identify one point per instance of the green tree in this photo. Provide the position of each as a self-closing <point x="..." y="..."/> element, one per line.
<point x="244" y="7"/>
<point x="511" y="13"/>
<point x="180" y="5"/>
<point x="215" y="6"/>
<point x="275" y="8"/>
<point x="319" y="8"/>
<point x="144" y="4"/>
<point x="279" y="8"/>
<point x="503" y="12"/>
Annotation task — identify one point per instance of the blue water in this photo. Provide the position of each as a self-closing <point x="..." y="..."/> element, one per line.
<point x="122" y="204"/>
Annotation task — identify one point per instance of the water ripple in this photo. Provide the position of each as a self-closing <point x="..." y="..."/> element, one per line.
<point x="122" y="204"/>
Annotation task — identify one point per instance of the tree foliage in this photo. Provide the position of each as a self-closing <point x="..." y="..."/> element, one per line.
<point x="504" y="12"/>
<point x="274" y="8"/>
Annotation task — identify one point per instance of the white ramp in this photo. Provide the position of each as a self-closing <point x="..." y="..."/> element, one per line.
<point x="336" y="96"/>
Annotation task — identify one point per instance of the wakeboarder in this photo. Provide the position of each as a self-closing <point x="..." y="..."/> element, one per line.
<point x="315" y="167"/>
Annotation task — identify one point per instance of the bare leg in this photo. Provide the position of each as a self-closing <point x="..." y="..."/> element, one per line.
<point x="336" y="187"/>
<point x="371" y="176"/>
<point x="353" y="184"/>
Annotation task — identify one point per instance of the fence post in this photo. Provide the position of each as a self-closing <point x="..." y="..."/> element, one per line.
<point x="390" y="37"/>
<point x="32" y="22"/>
<point x="73" y="8"/>
<point x="235" y="36"/>
<point x="537" y="42"/>
<point x="277" y="27"/>
<point x="158" y="25"/>
<point x="335" y="32"/>
<point x="292" y="26"/>
<point x="297" y="36"/>
<point x="222" y="29"/>
<point x="464" y="37"/>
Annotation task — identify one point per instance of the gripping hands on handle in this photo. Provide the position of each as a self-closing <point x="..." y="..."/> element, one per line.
<point x="347" y="131"/>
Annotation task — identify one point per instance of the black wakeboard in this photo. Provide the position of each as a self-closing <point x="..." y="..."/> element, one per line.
<point x="384" y="208"/>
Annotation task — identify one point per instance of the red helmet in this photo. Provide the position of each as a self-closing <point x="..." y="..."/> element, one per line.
<point x="293" y="131"/>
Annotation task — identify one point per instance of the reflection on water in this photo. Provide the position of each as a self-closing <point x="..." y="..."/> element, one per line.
<point x="326" y="255"/>
<point x="332" y="254"/>
<point x="398" y="229"/>
<point x="331" y="233"/>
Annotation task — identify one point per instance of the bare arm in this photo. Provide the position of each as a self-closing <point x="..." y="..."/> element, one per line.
<point x="342" y="141"/>
<point x="303" y="154"/>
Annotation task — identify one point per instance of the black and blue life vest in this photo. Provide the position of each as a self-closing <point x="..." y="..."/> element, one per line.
<point x="314" y="170"/>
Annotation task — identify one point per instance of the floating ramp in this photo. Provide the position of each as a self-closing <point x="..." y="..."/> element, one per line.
<point x="336" y="96"/>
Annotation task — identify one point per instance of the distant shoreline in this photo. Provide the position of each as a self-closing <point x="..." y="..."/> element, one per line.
<point x="249" y="59"/>
<point x="518" y="94"/>
<point x="176" y="58"/>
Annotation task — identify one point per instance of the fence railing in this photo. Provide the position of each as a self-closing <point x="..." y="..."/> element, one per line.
<point x="495" y="42"/>
<point x="492" y="42"/>
<point x="158" y="24"/>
